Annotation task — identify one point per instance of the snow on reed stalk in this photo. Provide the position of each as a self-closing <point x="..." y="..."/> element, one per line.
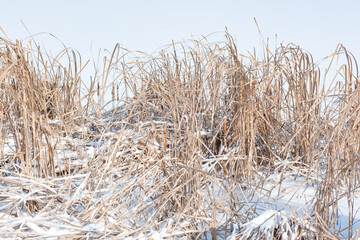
<point x="194" y="137"/>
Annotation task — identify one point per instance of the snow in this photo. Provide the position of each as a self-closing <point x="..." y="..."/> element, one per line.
<point x="282" y="203"/>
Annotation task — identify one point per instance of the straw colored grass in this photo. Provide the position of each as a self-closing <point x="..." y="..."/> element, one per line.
<point x="183" y="143"/>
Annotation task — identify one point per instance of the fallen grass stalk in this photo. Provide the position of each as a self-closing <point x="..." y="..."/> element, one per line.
<point x="195" y="142"/>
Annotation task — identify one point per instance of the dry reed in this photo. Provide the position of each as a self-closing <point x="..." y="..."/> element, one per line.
<point x="193" y="136"/>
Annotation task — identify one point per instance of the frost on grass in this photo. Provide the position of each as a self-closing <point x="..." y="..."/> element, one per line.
<point x="199" y="142"/>
<point x="269" y="225"/>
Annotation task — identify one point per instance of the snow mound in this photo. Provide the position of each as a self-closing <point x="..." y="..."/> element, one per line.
<point x="270" y="224"/>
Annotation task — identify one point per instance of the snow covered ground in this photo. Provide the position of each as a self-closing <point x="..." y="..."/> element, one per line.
<point x="110" y="186"/>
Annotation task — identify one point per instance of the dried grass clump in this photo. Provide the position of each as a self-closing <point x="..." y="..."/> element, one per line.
<point x="183" y="144"/>
<point x="35" y="90"/>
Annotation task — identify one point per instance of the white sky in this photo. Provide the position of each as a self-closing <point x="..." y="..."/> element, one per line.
<point x="317" y="26"/>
